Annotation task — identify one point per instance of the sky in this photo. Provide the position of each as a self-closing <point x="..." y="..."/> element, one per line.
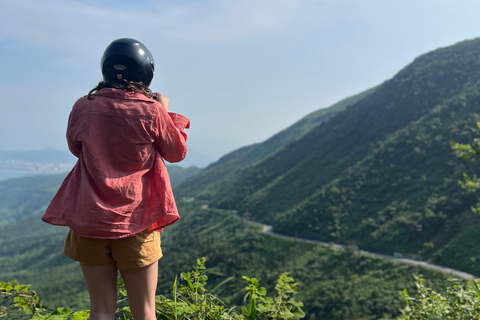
<point x="240" y="70"/>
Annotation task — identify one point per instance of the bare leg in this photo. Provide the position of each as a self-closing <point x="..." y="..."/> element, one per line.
<point x="102" y="287"/>
<point x="141" y="284"/>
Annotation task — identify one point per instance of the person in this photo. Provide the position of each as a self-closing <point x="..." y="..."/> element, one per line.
<point x="118" y="196"/>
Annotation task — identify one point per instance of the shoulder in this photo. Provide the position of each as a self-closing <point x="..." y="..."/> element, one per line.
<point x="81" y="104"/>
<point x="83" y="100"/>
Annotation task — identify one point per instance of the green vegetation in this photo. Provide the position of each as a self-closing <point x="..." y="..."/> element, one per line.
<point x="466" y="152"/>
<point x="193" y="301"/>
<point x="458" y="301"/>
<point x="190" y="301"/>
<point x="463" y="251"/>
<point x="178" y="174"/>
<point x="333" y="284"/>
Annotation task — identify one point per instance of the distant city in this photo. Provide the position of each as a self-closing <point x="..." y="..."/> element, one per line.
<point x="34" y="167"/>
<point x="16" y="164"/>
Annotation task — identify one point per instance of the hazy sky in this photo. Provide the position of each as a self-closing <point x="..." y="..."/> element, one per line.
<point x="241" y="70"/>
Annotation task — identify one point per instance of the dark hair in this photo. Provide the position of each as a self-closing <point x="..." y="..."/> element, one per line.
<point x="124" y="84"/>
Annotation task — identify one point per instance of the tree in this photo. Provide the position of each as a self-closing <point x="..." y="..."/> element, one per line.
<point x="459" y="301"/>
<point x="470" y="152"/>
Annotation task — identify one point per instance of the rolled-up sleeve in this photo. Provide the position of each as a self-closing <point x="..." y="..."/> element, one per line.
<point x="171" y="138"/>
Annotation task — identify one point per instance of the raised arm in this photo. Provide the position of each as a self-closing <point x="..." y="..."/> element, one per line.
<point x="171" y="139"/>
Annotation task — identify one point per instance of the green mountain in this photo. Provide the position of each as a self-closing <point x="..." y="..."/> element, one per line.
<point x="379" y="174"/>
<point x="178" y="174"/>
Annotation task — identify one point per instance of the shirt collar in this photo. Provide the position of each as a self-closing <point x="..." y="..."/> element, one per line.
<point x="122" y="94"/>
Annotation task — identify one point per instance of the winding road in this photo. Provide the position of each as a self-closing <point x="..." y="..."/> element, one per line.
<point x="267" y="229"/>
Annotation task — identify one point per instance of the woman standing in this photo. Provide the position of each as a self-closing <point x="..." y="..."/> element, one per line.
<point x="118" y="196"/>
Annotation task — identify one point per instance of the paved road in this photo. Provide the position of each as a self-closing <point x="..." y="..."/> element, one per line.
<point x="457" y="273"/>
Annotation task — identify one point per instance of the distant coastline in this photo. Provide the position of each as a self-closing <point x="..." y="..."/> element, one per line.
<point x="17" y="164"/>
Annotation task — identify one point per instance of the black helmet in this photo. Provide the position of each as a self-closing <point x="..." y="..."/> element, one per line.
<point x="127" y="59"/>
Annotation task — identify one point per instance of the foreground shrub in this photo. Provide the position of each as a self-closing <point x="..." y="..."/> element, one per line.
<point x="459" y="301"/>
<point x="191" y="300"/>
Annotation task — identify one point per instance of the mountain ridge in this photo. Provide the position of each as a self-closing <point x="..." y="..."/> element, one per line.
<point x="235" y="161"/>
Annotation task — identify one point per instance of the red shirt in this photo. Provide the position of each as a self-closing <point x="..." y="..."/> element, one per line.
<point x="119" y="185"/>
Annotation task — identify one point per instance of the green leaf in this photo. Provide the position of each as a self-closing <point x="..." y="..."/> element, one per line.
<point x="62" y="311"/>
<point x="221" y="284"/>
<point x="122" y="291"/>
<point x="475" y="286"/>
<point x="286" y="314"/>
<point x="254" y="282"/>
<point x="175" y="298"/>
<point x="7" y="286"/>
<point x="262" y="291"/>
<point x="298" y="313"/>
<point x="186" y="276"/>
<point x="22" y="288"/>
<point x="81" y="315"/>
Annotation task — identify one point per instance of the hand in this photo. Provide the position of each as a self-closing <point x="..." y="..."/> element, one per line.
<point x="163" y="100"/>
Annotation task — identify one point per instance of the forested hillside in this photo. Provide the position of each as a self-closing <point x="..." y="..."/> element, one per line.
<point x="380" y="174"/>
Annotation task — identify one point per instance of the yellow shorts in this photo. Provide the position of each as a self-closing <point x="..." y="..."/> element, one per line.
<point x="137" y="251"/>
